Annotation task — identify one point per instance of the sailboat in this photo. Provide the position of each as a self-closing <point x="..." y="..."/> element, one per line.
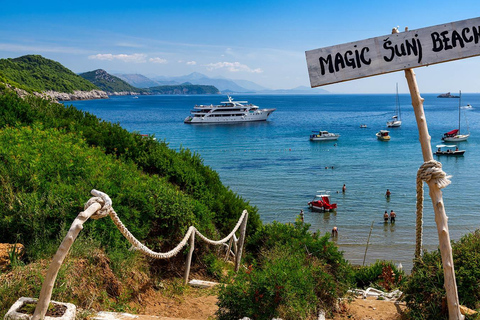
<point x="395" y="122"/>
<point x="454" y="135"/>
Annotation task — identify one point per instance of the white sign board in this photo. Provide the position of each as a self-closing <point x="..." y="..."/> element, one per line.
<point x="394" y="52"/>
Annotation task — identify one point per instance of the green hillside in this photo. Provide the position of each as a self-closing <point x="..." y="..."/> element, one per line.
<point x="108" y="82"/>
<point x="36" y="73"/>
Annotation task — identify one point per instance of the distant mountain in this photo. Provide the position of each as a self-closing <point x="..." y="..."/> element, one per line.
<point x="35" y="73"/>
<point x="109" y="83"/>
<point x="198" y="78"/>
<point x="185" y="88"/>
<point x="139" y="81"/>
<point x="249" y="85"/>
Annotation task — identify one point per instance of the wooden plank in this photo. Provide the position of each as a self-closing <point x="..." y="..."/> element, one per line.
<point x="394" y="52"/>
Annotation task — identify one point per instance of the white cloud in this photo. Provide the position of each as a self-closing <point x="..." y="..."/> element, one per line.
<point x="191" y="63"/>
<point x="136" y="57"/>
<point x="232" y="67"/>
<point x="157" y="60"/>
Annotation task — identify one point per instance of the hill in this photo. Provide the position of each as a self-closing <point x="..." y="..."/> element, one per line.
<point x="140" y="81"/>
<point x="35" y="73"/>
<point x="185" y="88"/>
<point x="108" y="82"/>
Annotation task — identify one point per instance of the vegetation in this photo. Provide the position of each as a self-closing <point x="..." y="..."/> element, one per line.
<point x="424" y="290"/>
<point x="108" y="82"/>
<point x="36" y="73"/>
<point x="293" y="274"/>
<point x="383" y="275"/>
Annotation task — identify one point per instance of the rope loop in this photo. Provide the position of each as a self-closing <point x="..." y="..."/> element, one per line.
<point x="104" y="200"/>
<point x="432" y="170"/>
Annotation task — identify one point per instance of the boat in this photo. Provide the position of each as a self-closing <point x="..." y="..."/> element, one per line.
<point x="363" y="126"/>
<point x="135" y="97"/>
<point x="228" y="112"/>
<point x="321" y="202"/>
<point x="448" y="150"/>
<point x="383" y="135"/>
<point x="323" y="136"/>
<point x="447" y="95"/>
<point x="396" y="119"/>
<point x="468" y="106"/>
<point x="455" y="135"/>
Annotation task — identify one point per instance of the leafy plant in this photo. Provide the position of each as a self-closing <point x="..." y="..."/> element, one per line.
<point x="383" y="275"/>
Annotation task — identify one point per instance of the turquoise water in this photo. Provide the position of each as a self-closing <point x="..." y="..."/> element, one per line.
<point x="275" y="166"/>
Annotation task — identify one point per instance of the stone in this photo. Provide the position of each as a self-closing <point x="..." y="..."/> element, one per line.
<point x="14" y="314"/>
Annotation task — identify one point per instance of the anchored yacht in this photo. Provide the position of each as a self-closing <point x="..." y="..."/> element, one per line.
<point x="228" y="112"/>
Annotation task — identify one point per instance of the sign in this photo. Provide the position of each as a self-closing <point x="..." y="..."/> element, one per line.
<point x="394" y="52"/>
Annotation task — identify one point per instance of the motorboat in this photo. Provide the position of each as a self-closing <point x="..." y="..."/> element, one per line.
<point x="448" y="150"/>
<point x="321" y="202"/>
<point x="363" y="126"/>
<point x="468" y="106"/>
<point x="227" y="112"/>
<point x="396" y="118"/>
<point x="323" y="136"/>
<point x="383" y="135"/>
<point x="454" y="135"/>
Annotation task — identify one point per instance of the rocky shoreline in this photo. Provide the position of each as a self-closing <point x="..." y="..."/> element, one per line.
<point x="76" y="95"/>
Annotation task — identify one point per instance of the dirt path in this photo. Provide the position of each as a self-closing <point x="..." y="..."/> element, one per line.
<point x="196" y="304"/>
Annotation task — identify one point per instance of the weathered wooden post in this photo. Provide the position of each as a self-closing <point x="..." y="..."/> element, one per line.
<point x="189" y="258"/>
<point x="404" y="51"/>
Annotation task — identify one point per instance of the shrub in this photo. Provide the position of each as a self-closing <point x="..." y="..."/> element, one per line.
<point x="424" y="289"/>
<point x="292" y="275"/>
<point x="383" y="275"/>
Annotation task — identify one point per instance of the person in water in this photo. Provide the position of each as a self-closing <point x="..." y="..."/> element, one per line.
<point x="392" y="216"/>
<point x="385" y="216"/>
<point x="344" y="188"/>
<point x="388" y="193"/>
<point x="335" y="232"/>
<point x="301" y="216"/>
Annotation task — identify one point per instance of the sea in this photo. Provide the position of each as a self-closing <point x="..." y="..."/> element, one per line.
<point x="274" y="166"/>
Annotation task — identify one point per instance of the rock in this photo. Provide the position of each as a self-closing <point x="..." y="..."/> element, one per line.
<point x="76" y="95"/>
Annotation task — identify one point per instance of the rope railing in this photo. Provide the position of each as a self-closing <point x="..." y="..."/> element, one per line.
<point x="429" y="171"/>
<point x="100" y="206"/>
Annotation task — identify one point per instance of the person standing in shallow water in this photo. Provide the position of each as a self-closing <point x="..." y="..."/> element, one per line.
<point x="385" y="216"/>
<point x="334" y="232"/>
<point x="388" y="193"/>
<point x="392" y="216"/>
<point x="344" y="188"/>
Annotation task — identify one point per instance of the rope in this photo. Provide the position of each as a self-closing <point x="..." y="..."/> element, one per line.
<point x="429" y="171"/>
<point x="106" y="209"/>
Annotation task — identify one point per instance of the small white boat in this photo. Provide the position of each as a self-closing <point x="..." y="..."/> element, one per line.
<point x="448" y="150"/>
<point x="468" y="106"/>
<point x="323" y="136"/>
<point x="363" y="126"/>
<point x="383" y="135"/>
<point x="396" y="122"/>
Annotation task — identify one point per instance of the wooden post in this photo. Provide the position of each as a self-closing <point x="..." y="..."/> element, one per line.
<point x="241" y="240"/>
<point x="437" y="201"/>
<point x="368" y="240"/>
<point x="189" y="258"/>
<point x="48" y="283"/>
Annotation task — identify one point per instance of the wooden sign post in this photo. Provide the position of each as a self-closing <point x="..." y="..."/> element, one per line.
<point x="404" y="51"/>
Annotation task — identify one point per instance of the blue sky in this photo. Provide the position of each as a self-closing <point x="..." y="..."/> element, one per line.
<point x="260" y="41"/>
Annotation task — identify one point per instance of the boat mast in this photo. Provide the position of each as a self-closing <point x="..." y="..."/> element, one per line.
<point x="397" y="105"/>
<point x="459" y="104"/>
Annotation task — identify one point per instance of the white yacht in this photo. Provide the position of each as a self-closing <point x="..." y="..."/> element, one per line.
<point x="228" y="112"/>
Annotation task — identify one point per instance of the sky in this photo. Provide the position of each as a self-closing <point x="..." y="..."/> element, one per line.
<point x="260" y="41"/>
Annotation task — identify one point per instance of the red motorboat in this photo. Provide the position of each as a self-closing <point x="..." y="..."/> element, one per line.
<point x="321" y="202"/>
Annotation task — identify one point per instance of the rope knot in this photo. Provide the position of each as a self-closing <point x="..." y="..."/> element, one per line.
<point x="432" y="170"/>
<point x="104" y="200"/>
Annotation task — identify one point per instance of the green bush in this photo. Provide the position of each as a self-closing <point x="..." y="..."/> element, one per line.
<point x="424" y="290"/>
<point x="293" y="274"/>
<point x="183" y="169"/>
<point x="383" y="275"/>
